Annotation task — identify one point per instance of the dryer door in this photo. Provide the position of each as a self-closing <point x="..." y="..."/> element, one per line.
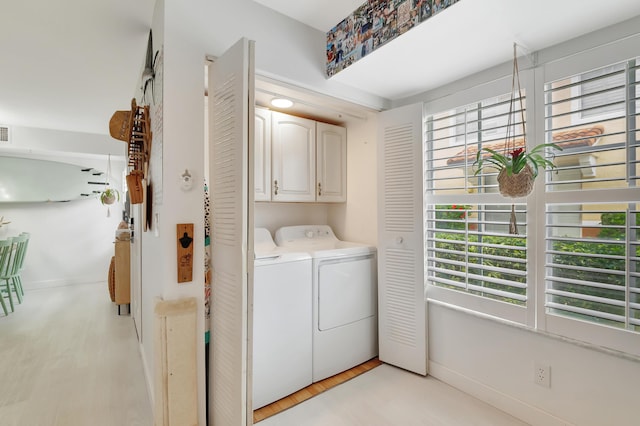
<point x="347" y="291"/>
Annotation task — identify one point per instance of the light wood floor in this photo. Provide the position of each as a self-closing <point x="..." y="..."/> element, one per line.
<point x="67" y="358"/>
<point x="312" y="390"/>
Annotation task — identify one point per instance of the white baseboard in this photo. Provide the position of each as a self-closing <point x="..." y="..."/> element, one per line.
<point x="62" y="282"/>
<point x="147" y="376"/>
<point x="510" y="405"/>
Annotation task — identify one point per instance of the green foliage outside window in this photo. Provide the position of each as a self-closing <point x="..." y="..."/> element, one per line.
<point x="451" y="216"/>
<point x="494" y="252"/>
<point x="471" y="256"/>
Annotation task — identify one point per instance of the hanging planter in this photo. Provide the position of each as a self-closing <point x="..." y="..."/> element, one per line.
<point x="518" y="185"/>
<point x="109" y="196"/>
<point x="517" y="168"/>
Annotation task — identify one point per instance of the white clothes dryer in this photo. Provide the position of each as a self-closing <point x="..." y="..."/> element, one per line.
<point x="282" y="338"/>
<point x="345" y="297"/>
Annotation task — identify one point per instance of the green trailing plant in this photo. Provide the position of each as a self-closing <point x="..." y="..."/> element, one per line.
<point x="513" y="162"/>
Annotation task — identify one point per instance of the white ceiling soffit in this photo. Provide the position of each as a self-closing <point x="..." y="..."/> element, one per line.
<point x="469" y="36"/>
<point x="321" y="15"/>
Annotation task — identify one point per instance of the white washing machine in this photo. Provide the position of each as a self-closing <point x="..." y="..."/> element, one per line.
<point x="282" y="315"/>
<point x="345" y="297"/>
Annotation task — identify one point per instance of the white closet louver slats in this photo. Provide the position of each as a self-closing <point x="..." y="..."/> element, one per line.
<point x="230" y="109"/>
<point x="402" y="328"/>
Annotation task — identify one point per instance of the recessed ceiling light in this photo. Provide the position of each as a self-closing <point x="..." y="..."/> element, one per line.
<point x="281" y="103"/>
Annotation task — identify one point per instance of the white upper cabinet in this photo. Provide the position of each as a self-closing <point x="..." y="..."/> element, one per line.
<point x="331" y="154"/>
<point x="262" y="159"/>
<point x="299" y="160"/>
<point x="293" y="158"/>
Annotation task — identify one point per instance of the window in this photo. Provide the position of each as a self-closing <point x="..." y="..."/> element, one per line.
<point x="470" y="255"/>
<point x="592" y="250"/>
<point x="583" y="260"/>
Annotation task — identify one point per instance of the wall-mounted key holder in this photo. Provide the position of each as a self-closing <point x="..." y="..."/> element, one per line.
<point x="185" y="252"/>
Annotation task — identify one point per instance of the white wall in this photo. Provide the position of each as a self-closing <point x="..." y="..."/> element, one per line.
<point x="71" y="242"/>
<point x="495" y="362"/>
<point x="357" y="219"/>
<point x="275" y="215"/>
<point x="154" y="245"/>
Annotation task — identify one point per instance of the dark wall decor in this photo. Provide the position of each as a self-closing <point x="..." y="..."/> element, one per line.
<point x="372" y="25"/>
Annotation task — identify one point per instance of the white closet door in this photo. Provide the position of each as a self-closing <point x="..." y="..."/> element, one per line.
<point x="262" y="162"/>
<point x="293" y="158"/>
<point x="402" y="322"/>
<point x="231" y="110"/>
<point x="331" y="161"/>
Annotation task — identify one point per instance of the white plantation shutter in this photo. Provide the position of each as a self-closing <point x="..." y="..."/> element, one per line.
<point x="456" y="135"/>
<point x="592" y="260"/>
<point x="593" y="117"/>
<point x="402" y="321"/>
<point x="471" y="259"/>
<point x="230" y="106"/>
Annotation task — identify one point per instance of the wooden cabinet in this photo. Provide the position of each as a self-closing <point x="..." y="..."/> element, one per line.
<point x="299" y="160"/>
<point x="293" y="158"/>
<point x="122" y="273"/>
<point x="262" y="155"/>
<point x="331" y="163"/>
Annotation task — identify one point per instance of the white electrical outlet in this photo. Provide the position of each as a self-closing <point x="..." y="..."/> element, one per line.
<point x="542" y="375"/>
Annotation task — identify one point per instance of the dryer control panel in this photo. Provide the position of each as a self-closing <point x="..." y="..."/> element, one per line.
<point x="289" y="234"/>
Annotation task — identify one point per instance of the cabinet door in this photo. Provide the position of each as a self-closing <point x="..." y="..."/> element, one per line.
<point x="262" y="155"/>
<point x="293" y="158"/>
<point x="331" y="163"/>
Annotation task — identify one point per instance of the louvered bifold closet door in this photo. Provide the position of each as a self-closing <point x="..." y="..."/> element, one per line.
<point x="230" y="106"/>
<point x="402" y="326"/>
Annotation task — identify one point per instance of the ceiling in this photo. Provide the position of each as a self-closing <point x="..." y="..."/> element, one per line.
<point x="467" y="37"/>
<point x="68" y="64"/>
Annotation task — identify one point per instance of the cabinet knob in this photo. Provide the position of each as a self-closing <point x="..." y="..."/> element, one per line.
<point x="319" y="188"/>
<point x="275" y="187"/>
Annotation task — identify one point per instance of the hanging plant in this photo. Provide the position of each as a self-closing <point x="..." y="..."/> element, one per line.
<point x="517" y="168"/>
<point x="109" y="196"/>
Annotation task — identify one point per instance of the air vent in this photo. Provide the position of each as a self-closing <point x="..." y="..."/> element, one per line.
<point x="4" y="135"/>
